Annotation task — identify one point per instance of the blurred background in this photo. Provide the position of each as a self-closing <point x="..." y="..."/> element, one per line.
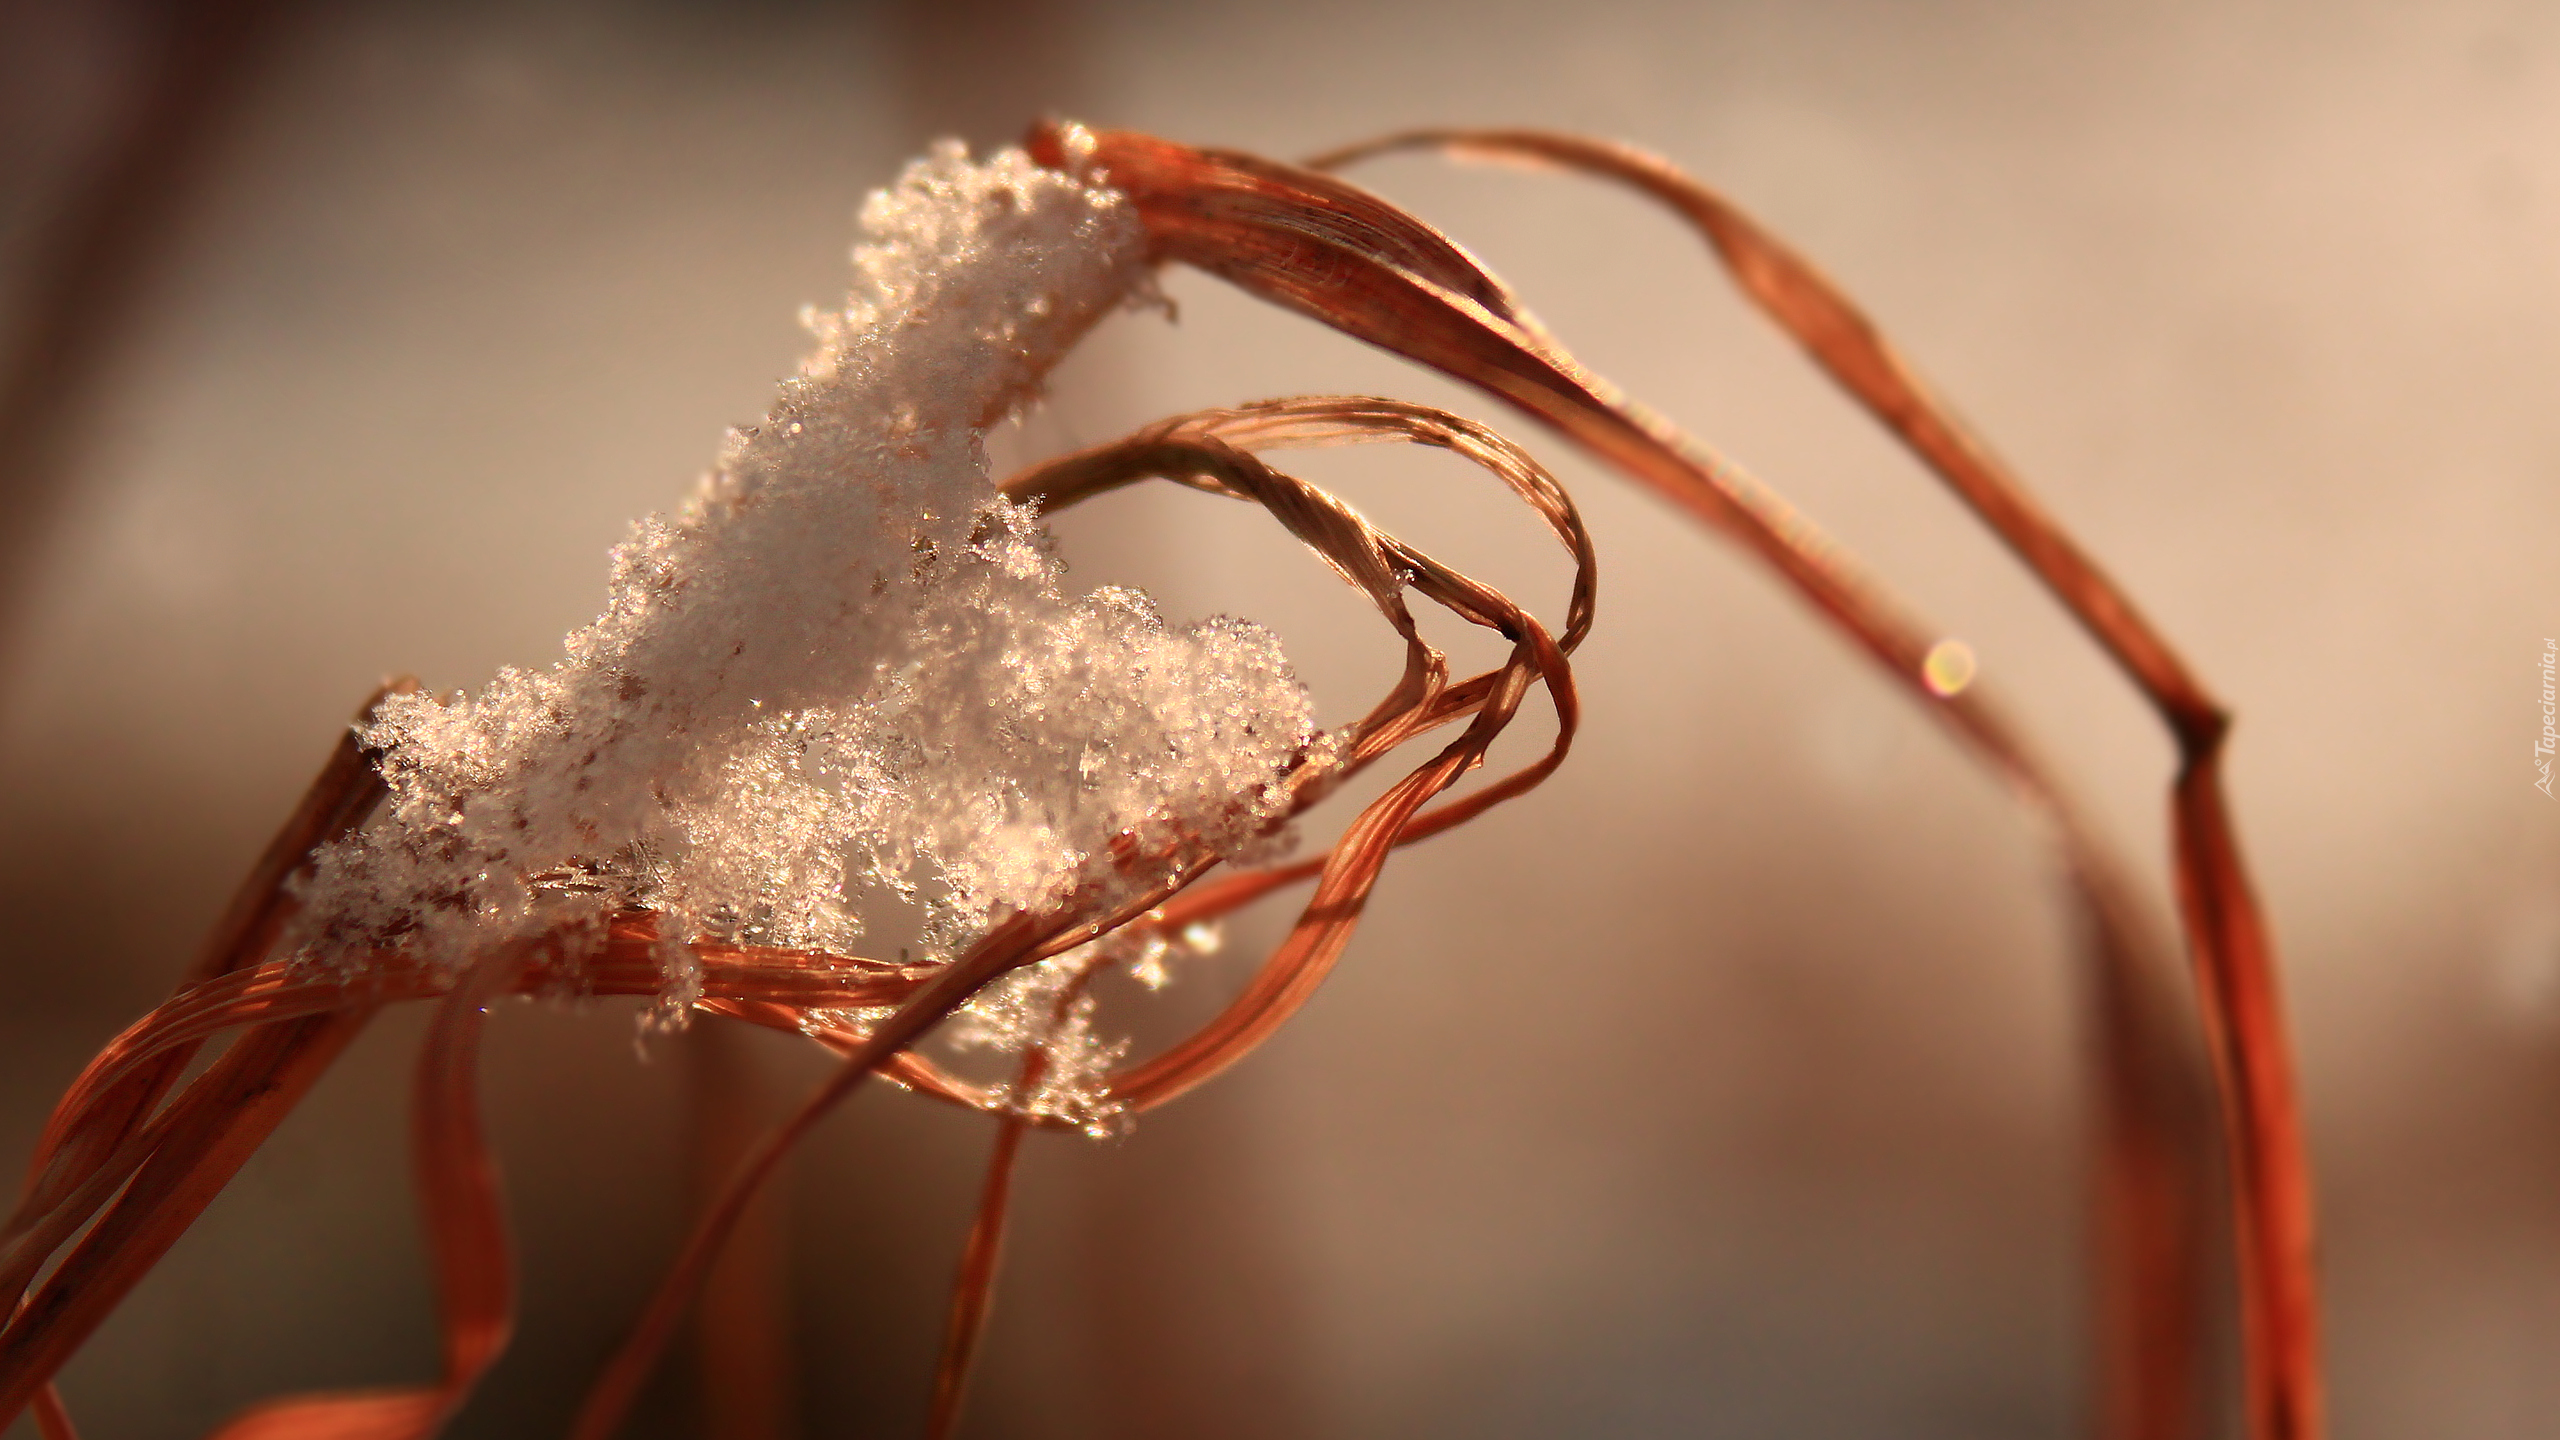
<point x="1733" y="1084"/>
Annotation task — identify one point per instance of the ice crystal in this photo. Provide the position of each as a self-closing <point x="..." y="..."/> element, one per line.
<point x="847" y="665"/>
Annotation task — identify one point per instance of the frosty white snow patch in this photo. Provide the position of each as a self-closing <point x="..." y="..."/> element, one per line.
<point x="847" y="659"/>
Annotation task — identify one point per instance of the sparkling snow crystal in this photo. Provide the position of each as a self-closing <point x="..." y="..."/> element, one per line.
<point x="847" y="661"/>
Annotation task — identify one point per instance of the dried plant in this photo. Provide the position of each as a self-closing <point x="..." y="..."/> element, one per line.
<point x="848" y="668"/>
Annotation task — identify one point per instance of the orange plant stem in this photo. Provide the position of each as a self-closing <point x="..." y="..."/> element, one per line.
<point x="973" y="1294"/>
<point x="2270" y="1156"/>
<point x="1315" y="245"/>
<point x="220" y="1122"/>
<point x="204" y="1137"/>
<point x="53" y="1418"/>
<point x="2241" y="1010"/>
<point x="1012" y="943"/>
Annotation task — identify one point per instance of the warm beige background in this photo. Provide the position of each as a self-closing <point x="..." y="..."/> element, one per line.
<point x="1726" y="1087"/>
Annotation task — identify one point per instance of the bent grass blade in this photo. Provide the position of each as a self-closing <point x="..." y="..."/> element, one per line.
<point x="133" y="1166"/>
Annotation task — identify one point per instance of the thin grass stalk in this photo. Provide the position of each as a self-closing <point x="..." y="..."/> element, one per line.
<point x="2155" y="1215"/>
<point x="2270" y="1153"/>
<point x="1011" y="944"/>
<point x="218" y="1123"/>
<point x="751" y="981"/>
<point x="186" y="1153"/>
<point x="1024" y="939"/>
<point x="53" y="1418"/>
<point x="973" y="1291"/>
<point x="79" y="1167"/>
<point x="1378" y="566"/>
<point x="973" y="1288"/>
<point x="1316" y="245"/>
<point x="467" y="1244"/>
<point x="339" y="797"/>
<point x="2234" y="960"/>
<point x="1306" y="242"/>
<point x="1196" y="450"/>
<point x="1301" y="962"/>
<point x="627" y="964"/>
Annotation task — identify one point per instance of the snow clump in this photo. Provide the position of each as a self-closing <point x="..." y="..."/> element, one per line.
<point x="847" y="664"/>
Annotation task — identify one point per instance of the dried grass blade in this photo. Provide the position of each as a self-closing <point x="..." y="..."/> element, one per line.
<point x="2236" y="969"/>
<point x="1289" y="977"/>
<point x="973" y="1288"/>
<point x="1233" y="892"/>
<point x="212" y="1130"/>
<point x="1018" y="941"/>
<point x="272" y="992"/>
<point x="1197" y="449"/>
<point x="1346" y="543"/>
<point x="1211" y="449"/>
<point x="392" y="1414"/>
<point x="1299" y="964"/>
<point x="1313" y="421"/>
<point x="98" y="1134"/>
<point x="466" y="1239"/>
<point x="268" y="995"/>
<point x="2157" y="1195"/>
<point x="339" y="798"/>
<point x="2270" y="1154"/>
<point x="1310" y="243"/>
<point x="1328" y="250"/>
<point x="53" y="1418"/>
<point x="280" y="991"/>
<point x="973" y="1292"/>
<point x="1846" y="343"/>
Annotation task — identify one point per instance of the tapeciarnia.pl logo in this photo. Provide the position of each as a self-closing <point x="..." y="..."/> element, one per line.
<point x="2543" y="747"/>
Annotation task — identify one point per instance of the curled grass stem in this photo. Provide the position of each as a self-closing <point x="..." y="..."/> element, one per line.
<point x="1316" y="245"/>
<point x="133" y="1167"/>
<point x="2234" y="958"/>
